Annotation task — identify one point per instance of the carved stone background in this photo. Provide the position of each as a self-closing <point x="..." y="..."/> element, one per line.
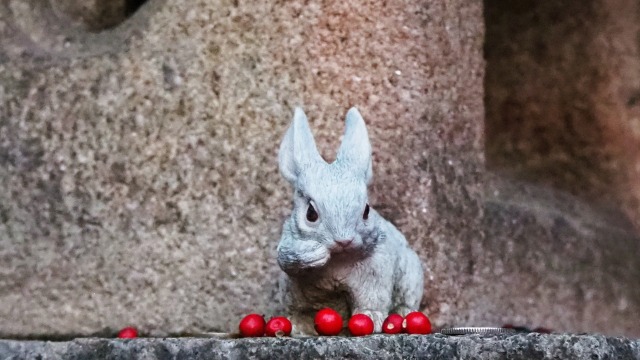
<point x="140" y="184"/>
<point x="139" y="176"/>
<point x="563" y="96"/>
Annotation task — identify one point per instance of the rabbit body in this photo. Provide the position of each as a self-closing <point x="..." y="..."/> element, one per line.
<point x="335" y="250"/>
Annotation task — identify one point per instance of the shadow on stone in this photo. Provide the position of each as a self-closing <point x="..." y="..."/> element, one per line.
<point x="59" y="29"/>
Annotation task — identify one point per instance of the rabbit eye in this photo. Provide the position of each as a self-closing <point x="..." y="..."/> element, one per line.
<point x="312" y="214"/>
<point x="365" y="215"/>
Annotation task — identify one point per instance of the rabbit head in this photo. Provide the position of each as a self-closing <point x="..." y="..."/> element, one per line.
<point x="330" y="200"/>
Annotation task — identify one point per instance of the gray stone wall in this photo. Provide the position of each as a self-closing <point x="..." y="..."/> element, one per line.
<point x="563" y="96"/>
<point x="139" y="183"/>
<point x="139" y="178"/>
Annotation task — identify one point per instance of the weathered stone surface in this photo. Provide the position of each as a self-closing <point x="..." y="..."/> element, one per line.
<point x="563" y="96"/>
<point x="530" y="347"/>
<point x="94" y="15"/>
<point x="549" y="259"/>
<point x="138" y="164"/>
<point x="139" y="179"/>
<point x="562" y="110"/>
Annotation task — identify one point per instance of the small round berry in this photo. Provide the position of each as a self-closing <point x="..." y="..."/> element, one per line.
<point x="417" y="323"/>
<point x="128" y="333"/>
<point x="252" y="325"/>
<point x="278" y="326"/>
<point x="360" y="325"/>
<point x="393" y="324"/>
<point x="328" y="322"/>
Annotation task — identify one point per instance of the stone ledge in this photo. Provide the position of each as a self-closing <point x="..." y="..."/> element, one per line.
<point x="520" y="346"/>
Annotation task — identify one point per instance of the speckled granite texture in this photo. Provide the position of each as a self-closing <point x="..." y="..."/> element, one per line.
<point x="138" y="165"/>
<point x="140" y="186"/>
<point x="563" y="96"/>
<point x="529" y="347"/>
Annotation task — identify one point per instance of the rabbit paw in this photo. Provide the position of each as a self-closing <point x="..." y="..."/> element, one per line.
<point x="302" y="255"/>
<point x="317" y="256"/>
<point x="403" y="310"/>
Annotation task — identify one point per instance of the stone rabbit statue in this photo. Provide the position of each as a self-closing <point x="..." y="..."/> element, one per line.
<point x="335" y="249"/>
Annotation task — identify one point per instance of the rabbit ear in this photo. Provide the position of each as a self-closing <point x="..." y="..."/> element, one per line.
<point x="355" y="149"/>
<point x="298" y="149"/>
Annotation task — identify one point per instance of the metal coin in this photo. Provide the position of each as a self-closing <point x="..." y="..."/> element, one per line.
<point x="476" y="330"/>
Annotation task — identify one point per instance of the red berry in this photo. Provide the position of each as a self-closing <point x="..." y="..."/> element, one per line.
<point x="393" y="324"/>
<point x="360" y="325"/>
<point x="328" y="322"/>
<point x="128" y="333"/>
<point x="278" y="326"/>
<point x="417" y="323"/>
<point x="252" y="325"/>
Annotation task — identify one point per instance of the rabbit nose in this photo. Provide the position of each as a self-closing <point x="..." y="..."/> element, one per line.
<point x="344" y="242"/>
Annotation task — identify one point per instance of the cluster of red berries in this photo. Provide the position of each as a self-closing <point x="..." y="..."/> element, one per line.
<point x="414" y="323"/>
<point x="254" y="325"/>
<point x="328" y="322"/>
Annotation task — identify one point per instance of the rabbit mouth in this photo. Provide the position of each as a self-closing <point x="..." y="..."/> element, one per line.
<point x="342" y="246"/>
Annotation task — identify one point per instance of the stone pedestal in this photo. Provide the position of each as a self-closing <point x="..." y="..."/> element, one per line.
<point x="525" y="346"/>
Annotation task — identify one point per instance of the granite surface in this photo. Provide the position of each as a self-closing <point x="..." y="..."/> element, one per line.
<point x="140" y="185"/>
<point x="470" y="347"/>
